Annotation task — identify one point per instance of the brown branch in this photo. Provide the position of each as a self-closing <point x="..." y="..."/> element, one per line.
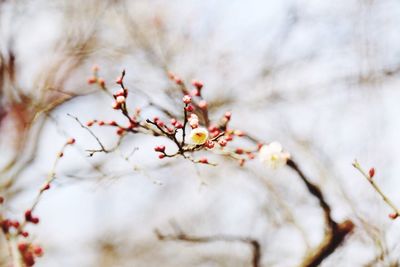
<point x="335" y="232"/>
<point x="181" y="236"/>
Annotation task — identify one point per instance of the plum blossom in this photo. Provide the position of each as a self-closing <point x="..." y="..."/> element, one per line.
<point x="273" y="156"/>
<point x="199" y="135"/>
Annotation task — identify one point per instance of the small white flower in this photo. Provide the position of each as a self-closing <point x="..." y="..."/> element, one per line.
<point x="273" y="156"/>
<point x="199" y="135"/>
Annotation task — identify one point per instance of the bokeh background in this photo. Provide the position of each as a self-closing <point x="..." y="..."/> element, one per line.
<point x="321" y="77"/>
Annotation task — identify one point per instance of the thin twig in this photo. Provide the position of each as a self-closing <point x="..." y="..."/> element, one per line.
<point x="377" y="189"/>
<point x="181" y="236"/>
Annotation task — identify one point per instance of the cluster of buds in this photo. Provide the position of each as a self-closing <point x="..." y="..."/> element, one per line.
<point x="96" y="79"/>
<point x="198" y="86"/>
<point x="177" y="124"/>
<point x="203" y="134"/>
<point x="193" y="121"/>
<point x="30" y="218"/>
<point x="29" y="252"/>
<point x="160" y="149"/>
<point x="178" y="80"/>
<point x="120" y="98"/>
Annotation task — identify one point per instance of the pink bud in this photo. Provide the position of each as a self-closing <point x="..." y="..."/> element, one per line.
<point x="393" y="215"/>
<point x="194" y="123"/>
<point x="101" y="82"/>
<point x="228" y="115"/>
<point x="195" y="92"/>
<point x="222" y="142"/>
<point x="160" y="124"/>
<point x="120" y="92"/>
<point x="203" y="104"/>
<point x="187" y="99"/>
<point x="239" y="151"/>
<point x="92" y="80"/>
<point x="70" y="141"/>
<point x="116" y="105"/>
<point x="203" y="160"/>
<point x="120" y="99"/>
<point x="159" y="148"/>
<point x="197" y="84"/>
<point x="371" y="172"/>
<point x="229" y="137"/>
<point x="120" y="131"/>
<point x="209" y="144"/>
<point x="178" y="80"/>
<point x="190" y="108"/>
<point x="178" y="125"/>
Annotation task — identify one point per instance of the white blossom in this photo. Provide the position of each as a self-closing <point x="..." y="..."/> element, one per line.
<point x="273" y="156"/>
